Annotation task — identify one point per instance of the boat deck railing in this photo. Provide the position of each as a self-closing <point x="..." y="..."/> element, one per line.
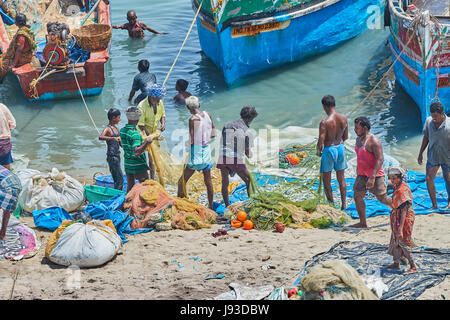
<point x="398" y="9"/>
<point x="303" y="8"/>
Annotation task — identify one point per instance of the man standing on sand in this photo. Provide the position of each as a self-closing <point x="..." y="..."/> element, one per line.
<point x="333" y="131"/>
<point x="436" y="135"/>
<point x="370" y="158"/>
<point x="236" y="141"/>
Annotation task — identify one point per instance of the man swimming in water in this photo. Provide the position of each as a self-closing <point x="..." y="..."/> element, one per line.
<point x="134" y="27"/>
<point x="333" y="131"/>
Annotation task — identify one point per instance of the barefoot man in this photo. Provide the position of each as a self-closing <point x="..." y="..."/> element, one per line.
<point x="436" y="135"/>
<point x="370" y="174"/>
<point x="333" y="131"/>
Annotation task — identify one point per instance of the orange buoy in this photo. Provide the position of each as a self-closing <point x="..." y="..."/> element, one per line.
<point x="236" y="224"/>
<point x="248" y="224"/>
<point x="242" y="216"/>
<point x="293" y="159"/>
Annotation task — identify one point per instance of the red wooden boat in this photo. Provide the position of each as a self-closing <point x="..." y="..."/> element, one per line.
<point x="62" y="84"/>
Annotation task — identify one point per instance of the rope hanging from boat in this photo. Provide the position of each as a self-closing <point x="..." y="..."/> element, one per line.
<point x="184" y="42"/>
<point x="43" y="75"/>
<point x="414" y="26"/>
<point x="82" y="97"/>
<point x="437" y="30"/>
<point x="167" y="77"/>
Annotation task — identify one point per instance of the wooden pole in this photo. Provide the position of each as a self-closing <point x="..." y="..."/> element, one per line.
<point x="90" y="12"/>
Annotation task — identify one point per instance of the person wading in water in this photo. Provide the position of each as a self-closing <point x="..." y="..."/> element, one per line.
<point x="134" y="27"/>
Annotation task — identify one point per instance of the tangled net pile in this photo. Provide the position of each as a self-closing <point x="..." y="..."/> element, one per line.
<point x="149" y="198"/>
<point x="41" y="12"/>
<point x="168" y="172"/>
<point x="336" y="280"/>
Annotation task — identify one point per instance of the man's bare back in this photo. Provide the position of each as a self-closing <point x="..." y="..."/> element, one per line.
<point x="336" y="129"/>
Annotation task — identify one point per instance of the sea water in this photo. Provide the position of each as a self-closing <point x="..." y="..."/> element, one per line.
<point x="60" y="133"/>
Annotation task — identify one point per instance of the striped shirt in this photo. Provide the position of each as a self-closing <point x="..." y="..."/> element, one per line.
<point x="131" y="138"/>
<point x="4" y="172"/>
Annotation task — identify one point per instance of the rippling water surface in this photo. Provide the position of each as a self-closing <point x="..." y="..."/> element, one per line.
<point x="60" y="134"/>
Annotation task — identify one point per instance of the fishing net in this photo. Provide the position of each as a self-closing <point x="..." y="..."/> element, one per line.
<point x="169" y="171"/>
<point x="297" y="201"/>
<point x="150" y="197"/>
<point x="335" y="280"/>
<point x="40" y="12"/>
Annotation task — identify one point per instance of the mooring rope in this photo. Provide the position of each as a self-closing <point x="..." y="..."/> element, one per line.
<point x="82" y="97"/>
<point x="414" y="25"/>
<point x="184" y="42"/>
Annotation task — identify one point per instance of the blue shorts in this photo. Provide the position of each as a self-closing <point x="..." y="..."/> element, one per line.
<point x="6" y="159"/>
<point x="445" y="167"/>
<point x="200" y="158"/>
<point x="333" y="157"/>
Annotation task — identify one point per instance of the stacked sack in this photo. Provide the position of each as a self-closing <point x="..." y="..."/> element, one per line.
<point x="41" y="191"/>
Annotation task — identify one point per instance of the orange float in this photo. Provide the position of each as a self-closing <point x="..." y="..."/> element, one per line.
<point x="236" y="224"/>
<point x="248" y="225"/>
<point x="242" y="216"/>
<point x="293" y="159"/>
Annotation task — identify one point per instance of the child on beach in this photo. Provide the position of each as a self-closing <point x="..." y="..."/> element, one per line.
<point x="181" y="87"/>
<point x="134" y="146"/>
<point x="402" y="220"/>
<point x="111" y="135"/>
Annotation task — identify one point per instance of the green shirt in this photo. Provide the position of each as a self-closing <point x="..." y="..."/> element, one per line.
<point x="131" y="138"/>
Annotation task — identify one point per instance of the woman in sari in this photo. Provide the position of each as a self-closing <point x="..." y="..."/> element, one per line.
<point x="402" y="220"/>
<point x="21" y="48"/>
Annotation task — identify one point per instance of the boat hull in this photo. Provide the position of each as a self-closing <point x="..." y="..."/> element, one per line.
<point x="415" y="69"/>
<point x="62" y="85"/>
<point x="241" y="50"/>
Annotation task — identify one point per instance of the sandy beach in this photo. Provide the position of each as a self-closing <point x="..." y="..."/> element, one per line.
<point x="149" y="265"/>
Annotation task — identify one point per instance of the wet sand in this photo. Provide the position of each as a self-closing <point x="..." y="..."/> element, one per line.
<point x="148" y="265"/>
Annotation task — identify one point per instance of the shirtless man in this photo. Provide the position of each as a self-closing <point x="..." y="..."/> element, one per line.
<point x="370" y="158"/>
<point x="134" y="27"/>
<point x="333" y="131"/>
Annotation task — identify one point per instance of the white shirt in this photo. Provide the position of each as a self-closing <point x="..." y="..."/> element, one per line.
<point x="7" y="122"/>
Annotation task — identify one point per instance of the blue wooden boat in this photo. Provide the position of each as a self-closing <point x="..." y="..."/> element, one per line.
<point x="423" y="68"/>
<point x="244" y="37"/>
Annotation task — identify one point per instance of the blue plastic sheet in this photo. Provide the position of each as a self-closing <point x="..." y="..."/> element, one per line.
<point x="372" y="258"/>
<point x="50" y="218"/>
<point x="421" y="199"/>
<point x="77" y="53"/>
<point x="110" y="209"/>
<point x="416" y="181"/>
<point x="6" y="19"/>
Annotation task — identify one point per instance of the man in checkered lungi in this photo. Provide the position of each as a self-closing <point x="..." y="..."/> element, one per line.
<point x="10" y="188"/>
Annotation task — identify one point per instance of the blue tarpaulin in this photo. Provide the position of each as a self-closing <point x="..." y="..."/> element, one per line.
<point x="416" y="181"/>
<point x="110" y="209"/>
<point x="370" y="259"/>
<point x="50" y="218"/>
